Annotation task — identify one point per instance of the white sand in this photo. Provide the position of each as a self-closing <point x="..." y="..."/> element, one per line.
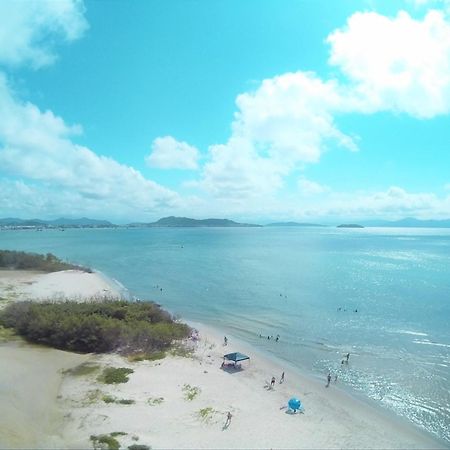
<point x="332" y="418"/>
<point x="72" y="284"/>
<point x="67" y="415"/>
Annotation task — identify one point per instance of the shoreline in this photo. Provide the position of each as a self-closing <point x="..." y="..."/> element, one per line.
<point x="334" y="417"/>
<point x="343" y="390"/>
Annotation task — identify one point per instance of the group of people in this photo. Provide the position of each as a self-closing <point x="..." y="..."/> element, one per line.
<point x="344" y="361"/>
<point x="273" y="381"/>
<point x="277" y="338"/>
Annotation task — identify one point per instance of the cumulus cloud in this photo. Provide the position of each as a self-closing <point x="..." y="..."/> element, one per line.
<point x="397" y="64"/>
<point x="168" y="153"/>
<point x="309" y="187"/>
<point x="28" y="29"/>
<point x="286" y="122"/>
<point x="38" y="146"/>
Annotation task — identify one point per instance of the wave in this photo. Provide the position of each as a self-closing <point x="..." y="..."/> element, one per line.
<point x="426" y="342"/>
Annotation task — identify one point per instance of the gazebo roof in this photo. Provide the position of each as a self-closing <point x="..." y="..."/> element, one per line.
<point x="236" y="357"/>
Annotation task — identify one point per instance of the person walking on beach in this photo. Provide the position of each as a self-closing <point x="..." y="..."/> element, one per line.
<point x="225" y="340"/>
<point x="328" y="379"/>
<point x="282" y="378"/>
<point x="272" y="383"/>
<point x="347" y="356"/>
<point x="228" y="421"/>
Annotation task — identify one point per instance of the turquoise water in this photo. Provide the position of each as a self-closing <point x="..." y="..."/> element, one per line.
<point x="292" y="282"/>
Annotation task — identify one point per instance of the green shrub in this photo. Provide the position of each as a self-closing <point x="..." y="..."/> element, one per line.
<point x="98" y="326"/>
<point x="113" y="375"/>
<point x="105" y="441"/>
<point x="109" y="399"/>
<point x="33" y="261"/>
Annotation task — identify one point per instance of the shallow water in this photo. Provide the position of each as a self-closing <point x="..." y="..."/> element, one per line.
<point x="305" y="285"/>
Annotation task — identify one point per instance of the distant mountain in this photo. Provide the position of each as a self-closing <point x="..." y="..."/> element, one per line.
<point x="294" y="224"/>
<point x="409" y="222"/>
<point x="349" y="225"/>
<point x="61" y="222"/>
<point x="188" y="222"/>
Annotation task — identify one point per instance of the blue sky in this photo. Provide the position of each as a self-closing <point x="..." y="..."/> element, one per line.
<point x="261" y="110"/>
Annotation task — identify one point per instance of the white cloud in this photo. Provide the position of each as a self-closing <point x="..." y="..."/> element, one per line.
<point x="168" y="153"/>
<point x="36" y="146"/>
<point x="308" y="187"/>
<point x="28" y="28"/>
<point x="398" y="64"/>
<point x="237" y="172"/>
<point x="286" y="122"/>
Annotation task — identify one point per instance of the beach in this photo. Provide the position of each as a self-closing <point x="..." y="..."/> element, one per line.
<point x="177" y="401"/>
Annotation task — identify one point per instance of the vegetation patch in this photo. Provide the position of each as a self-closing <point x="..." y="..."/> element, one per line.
<point x="136" y="357"/>
<point x="115" y="375"/>
<point x="206" y="414"/>
<point x="179" y="349"/>
<point x="105" y="441"/>
<point x="99" y="326"/>
<point x="190" y="392"/>
<point x="6" y="334"/>
<point x="83" y="369"/>
<point x="119" y="401"/>
<point x="109" y="399"/>
<point x="93" y="396"/>
<point x="153" y="401"/>
<point x="118" y="433"/>
<point x="33" y="261"/>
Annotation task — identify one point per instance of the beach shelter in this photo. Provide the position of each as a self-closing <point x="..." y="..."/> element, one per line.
<point x="236" y="357"/>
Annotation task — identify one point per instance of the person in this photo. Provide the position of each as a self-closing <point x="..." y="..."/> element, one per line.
<point x="225" y="340"/>
<point x="277" y="338"/>
<point x="282" y="378"/>
<point x="328" y="379"/>
<point x="348" y="356"/>
<point x="228" y="421"/>
<point x="272" y="382"/>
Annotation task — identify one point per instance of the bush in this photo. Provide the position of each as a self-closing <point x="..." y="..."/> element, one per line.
<point x="103" y="441"/>
<point x="33" y="261"/>
<point x="96" y="327"/>
<point x="113" y="375"/>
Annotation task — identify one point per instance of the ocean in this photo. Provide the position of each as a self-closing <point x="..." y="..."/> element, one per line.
<point x="382" y="295"/>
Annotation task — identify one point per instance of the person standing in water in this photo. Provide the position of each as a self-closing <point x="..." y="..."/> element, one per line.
<point x="225" y="340"/>
<point x="282" y="378"/>
<point x="328" y="379"/>
<point x="347" y="356"/>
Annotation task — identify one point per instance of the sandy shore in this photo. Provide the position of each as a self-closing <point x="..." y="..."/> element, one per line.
<point x="162" y="415"/>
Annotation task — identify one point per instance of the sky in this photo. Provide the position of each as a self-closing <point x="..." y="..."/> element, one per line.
<point x="257" y="110"/>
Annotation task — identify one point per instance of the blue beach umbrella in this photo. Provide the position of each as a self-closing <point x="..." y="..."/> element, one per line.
<point x="294" y="403"/>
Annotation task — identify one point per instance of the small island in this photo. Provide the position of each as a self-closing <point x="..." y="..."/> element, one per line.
<point x="349" y="225"/>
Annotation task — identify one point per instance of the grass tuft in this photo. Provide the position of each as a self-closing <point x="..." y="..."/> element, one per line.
<point x="153" y="401"/>
<point x="136" y="357"/>
<point x="83" y="369"/>
<point x="206" y="414"/>
<point x="113" y="375"/>
<point x="190" y="392"/>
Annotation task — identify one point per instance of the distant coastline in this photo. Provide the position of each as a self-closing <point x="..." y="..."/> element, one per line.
<point x="187" y="222"/>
